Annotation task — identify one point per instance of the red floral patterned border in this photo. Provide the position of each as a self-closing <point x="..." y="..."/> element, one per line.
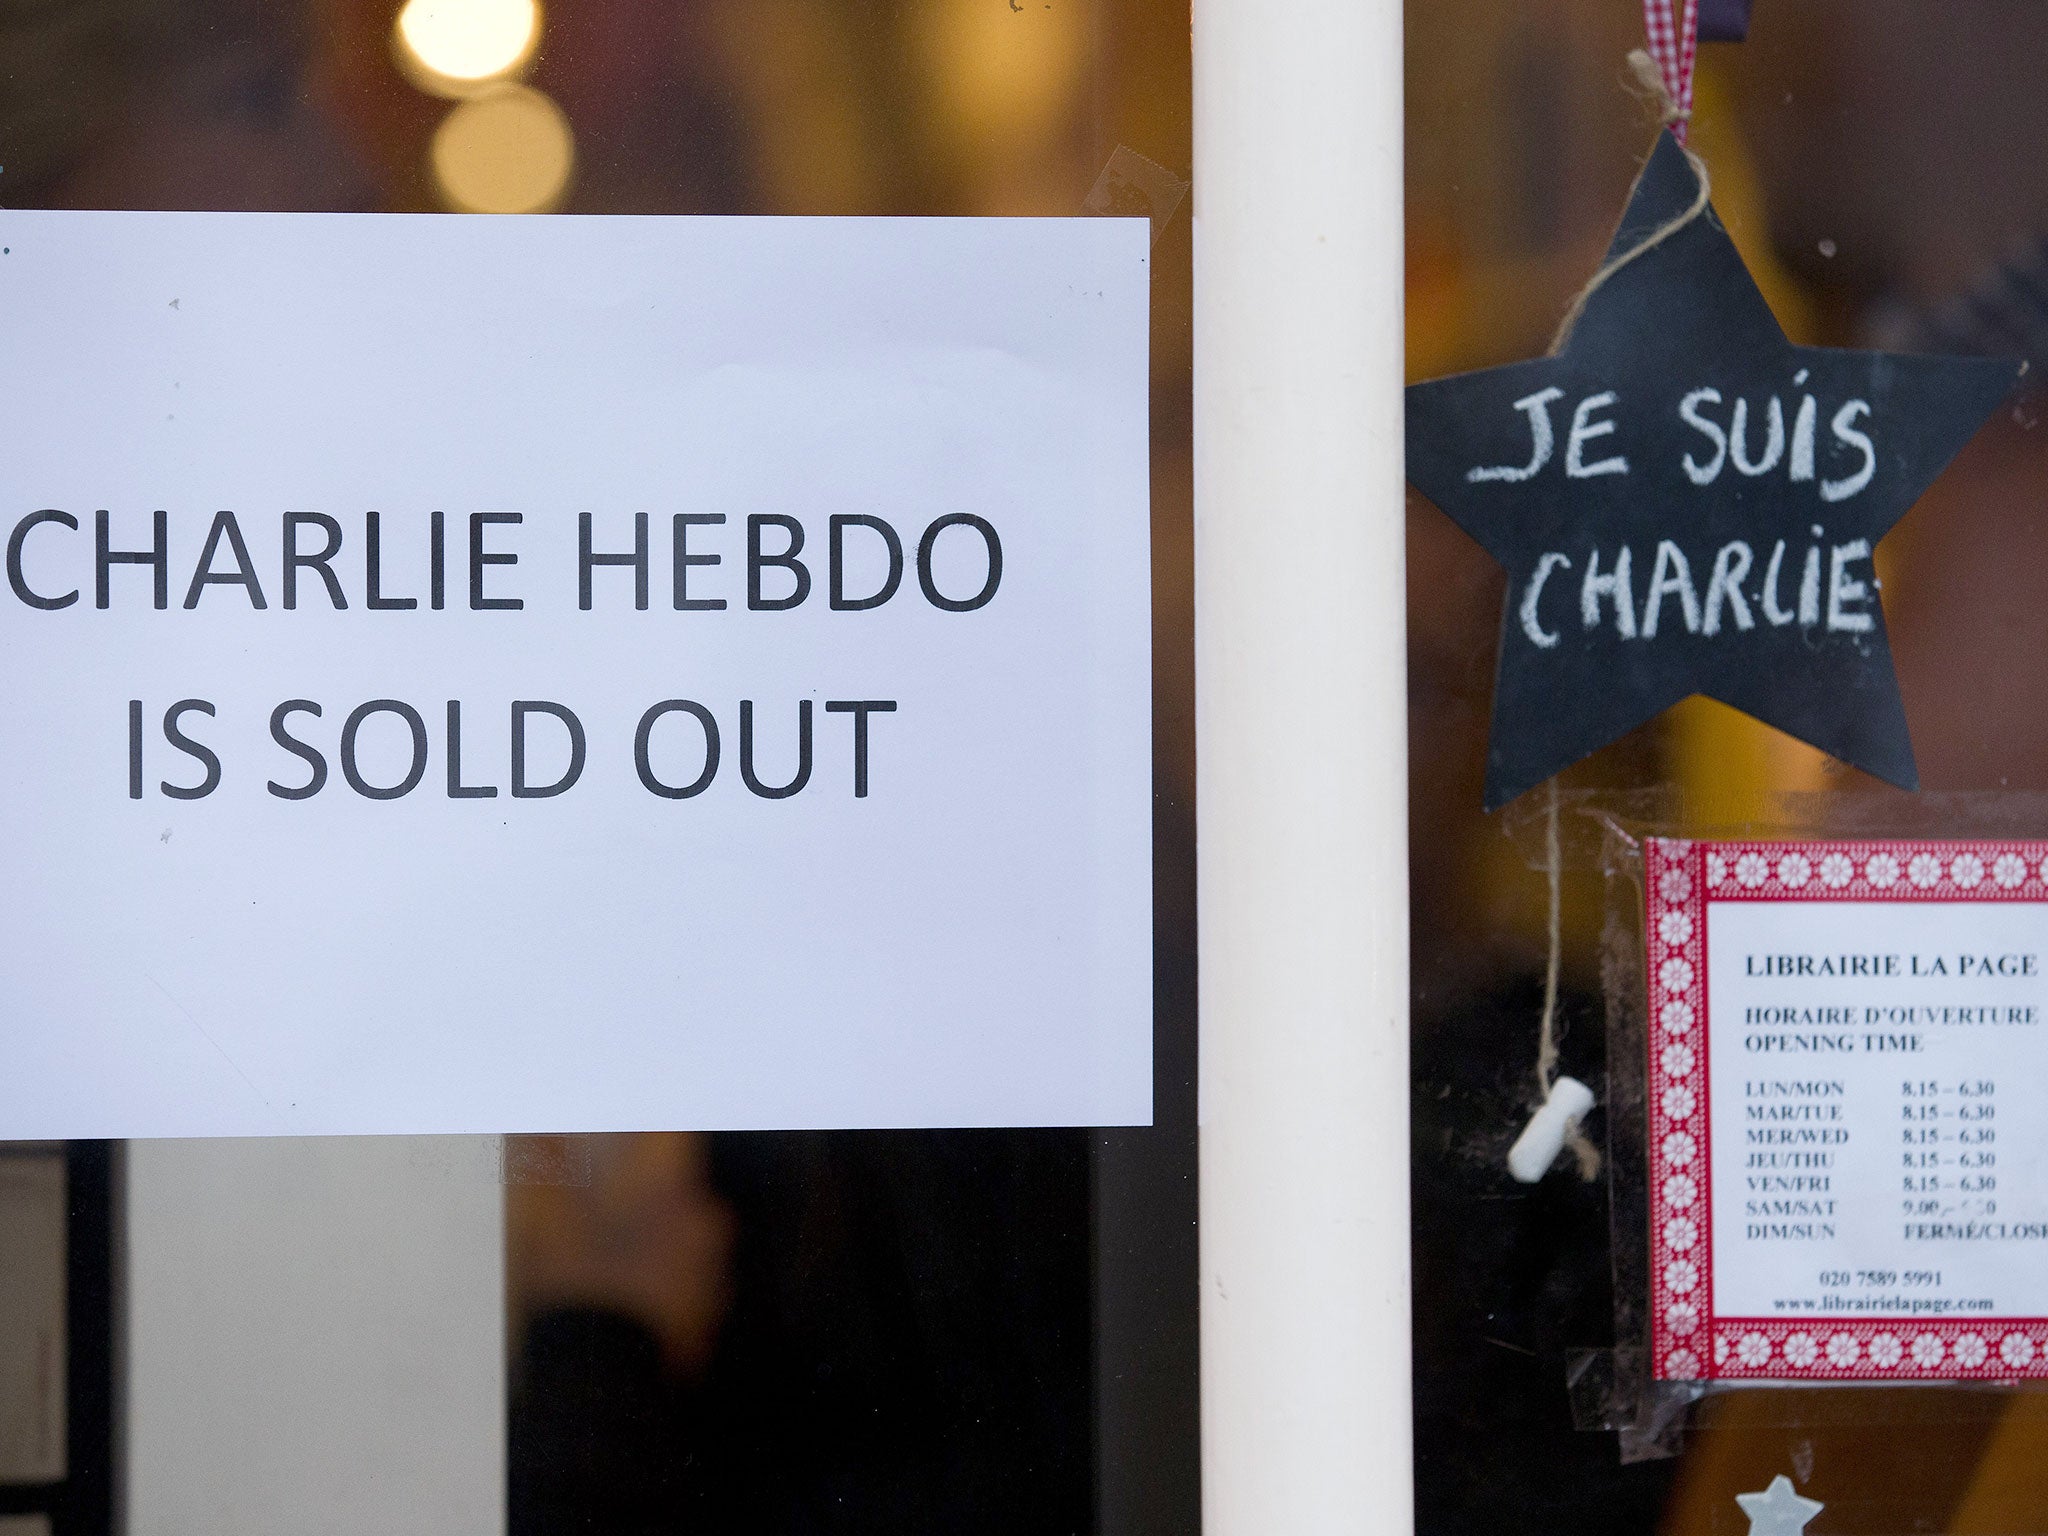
<point x="1689" y="1341"/>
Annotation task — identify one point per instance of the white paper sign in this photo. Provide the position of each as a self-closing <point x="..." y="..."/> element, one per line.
<point x="447" y="771"/>
<point x="1849" y="1110"/>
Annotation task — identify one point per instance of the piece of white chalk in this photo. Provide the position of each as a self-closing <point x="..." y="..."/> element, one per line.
<point x="1543" y="1138"/>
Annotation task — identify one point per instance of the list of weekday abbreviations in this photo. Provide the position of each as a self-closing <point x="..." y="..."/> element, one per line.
<point x="1879" y="1136"/>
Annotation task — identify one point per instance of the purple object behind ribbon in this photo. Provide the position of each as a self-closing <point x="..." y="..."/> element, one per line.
<point x="1724" y="21"/>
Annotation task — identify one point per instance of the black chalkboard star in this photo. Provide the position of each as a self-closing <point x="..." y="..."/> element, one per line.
<point x="1687" y="503"/>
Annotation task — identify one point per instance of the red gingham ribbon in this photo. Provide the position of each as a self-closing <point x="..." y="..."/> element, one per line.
<point x="1674" y="29"/>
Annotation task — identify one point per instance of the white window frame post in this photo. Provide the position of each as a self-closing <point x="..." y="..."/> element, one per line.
<point x="1302" y="759"/>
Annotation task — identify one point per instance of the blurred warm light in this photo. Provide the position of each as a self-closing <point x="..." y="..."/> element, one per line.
<point x="507" y="151"/>
<point x="1002" y="72"/>
<point x="453" y="47"/>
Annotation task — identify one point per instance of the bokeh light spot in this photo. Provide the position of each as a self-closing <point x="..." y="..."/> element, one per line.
<point x="507" y="151"/>
<point x="454" y="46"/>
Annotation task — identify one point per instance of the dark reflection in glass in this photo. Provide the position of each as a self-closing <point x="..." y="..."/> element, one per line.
<point x="848" y="1331"/>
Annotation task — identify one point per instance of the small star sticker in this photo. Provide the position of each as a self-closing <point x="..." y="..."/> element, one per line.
<point x="1685" y="502"/>
<point x="1778" y="1511"/>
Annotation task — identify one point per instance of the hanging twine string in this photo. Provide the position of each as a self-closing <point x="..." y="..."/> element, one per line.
<point x="1574" y="1137"/>
<point x="1655" y="88"/>
<point x="1665" y="73"/>
<point x="1553" y="870"/>
<point x="1674" y="113"/>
